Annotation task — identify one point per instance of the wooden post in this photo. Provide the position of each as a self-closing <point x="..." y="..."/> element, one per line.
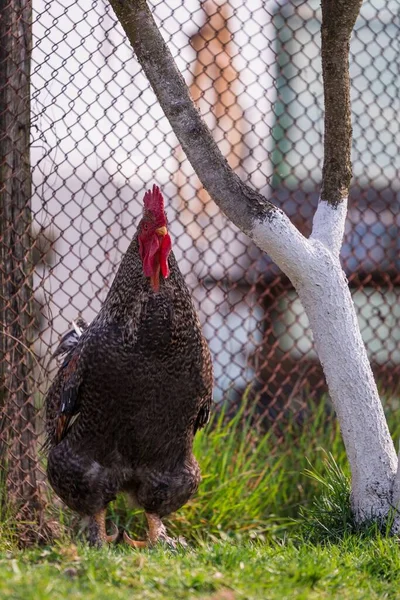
<point x="18" y="431"/>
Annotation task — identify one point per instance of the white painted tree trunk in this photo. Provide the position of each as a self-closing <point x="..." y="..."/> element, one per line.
<point x="396" y="500"/>
<point x="327" y="301"/>
<point x="314" y="268"/>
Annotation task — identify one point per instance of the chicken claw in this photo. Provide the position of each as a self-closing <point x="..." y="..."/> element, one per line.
<point x="157" y="533"/>
<point x="97" y="534"/>
<point x="111" y="538"/>
<point x="135" y="543"/>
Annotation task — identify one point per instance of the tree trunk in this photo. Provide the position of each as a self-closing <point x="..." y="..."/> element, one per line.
<point x="325" y="295"/>
<point x="18" y="432"/>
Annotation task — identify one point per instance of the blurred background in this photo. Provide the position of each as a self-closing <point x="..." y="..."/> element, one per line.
<point x="99" y="140"/>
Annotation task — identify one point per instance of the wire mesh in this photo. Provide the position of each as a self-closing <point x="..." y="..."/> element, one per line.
<point x="99" y="140"/>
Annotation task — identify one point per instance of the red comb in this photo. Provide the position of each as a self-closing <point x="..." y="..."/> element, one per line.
<point x="154" y="202"/>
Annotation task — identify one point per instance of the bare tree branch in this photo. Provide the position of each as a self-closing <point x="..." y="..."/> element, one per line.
<point x="243" y="205"/>
<point x="240" y="203"/>
<point x="338" y="19"/>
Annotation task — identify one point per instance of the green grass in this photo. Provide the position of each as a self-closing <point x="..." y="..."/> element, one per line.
<point x="354" y="568"/>
<point x="272" y="520"/>
<point x="253" y="485"/>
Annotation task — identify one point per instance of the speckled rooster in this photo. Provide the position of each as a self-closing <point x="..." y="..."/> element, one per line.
<point x="134" y="387"/>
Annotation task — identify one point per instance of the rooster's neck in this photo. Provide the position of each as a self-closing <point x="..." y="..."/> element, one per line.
<point x="130" y="287"/>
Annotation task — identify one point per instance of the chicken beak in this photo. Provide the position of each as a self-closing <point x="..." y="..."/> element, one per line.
<point x="162" y="231"/>
<point x="155" y="277"/>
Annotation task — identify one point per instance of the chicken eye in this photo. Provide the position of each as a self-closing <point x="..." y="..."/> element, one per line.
<point x="145" y="227"/>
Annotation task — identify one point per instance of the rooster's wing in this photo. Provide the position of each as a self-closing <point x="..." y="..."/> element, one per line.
<point x="62" y="398"/>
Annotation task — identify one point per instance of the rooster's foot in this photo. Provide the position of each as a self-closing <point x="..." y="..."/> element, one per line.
<point x="97" y="534"/>
<point x="157" y="534"/>
<point x="135" y="543"/>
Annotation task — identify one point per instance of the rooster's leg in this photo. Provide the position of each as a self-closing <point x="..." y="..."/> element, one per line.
<point x="97" y="534"/>
<point x="157" y="533"/>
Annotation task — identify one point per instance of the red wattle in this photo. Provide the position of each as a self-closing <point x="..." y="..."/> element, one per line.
<point x="165" y="249"/>
<point x="151" y="247"/>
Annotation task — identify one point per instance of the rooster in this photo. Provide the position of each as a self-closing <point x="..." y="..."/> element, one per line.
<point x="133" y="388"/>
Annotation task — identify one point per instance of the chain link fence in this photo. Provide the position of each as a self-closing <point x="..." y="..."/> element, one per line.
<point x="98" y="140"/>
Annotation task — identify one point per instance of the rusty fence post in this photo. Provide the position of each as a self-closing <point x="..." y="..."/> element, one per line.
<point x="19" y="464"/>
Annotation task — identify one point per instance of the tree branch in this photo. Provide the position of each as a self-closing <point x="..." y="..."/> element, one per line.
<point x="328" y="225"/>
<point x="241" y="204"/>
<point x="338" y="19"/>
<point x="267" y="225"/>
